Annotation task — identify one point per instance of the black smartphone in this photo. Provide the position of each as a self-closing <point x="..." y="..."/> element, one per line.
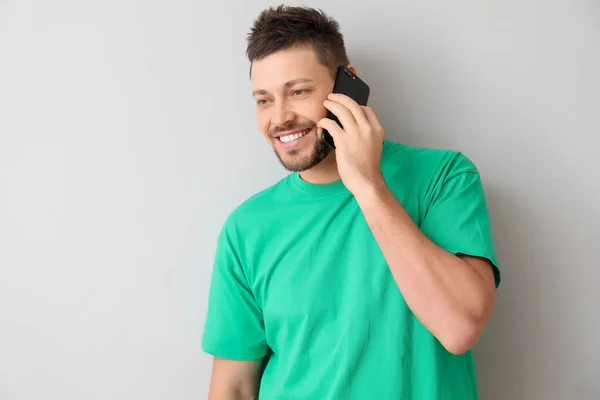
<point x="348" y="83"/>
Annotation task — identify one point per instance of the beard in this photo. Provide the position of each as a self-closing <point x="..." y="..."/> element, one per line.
<point x="296" y="161"/>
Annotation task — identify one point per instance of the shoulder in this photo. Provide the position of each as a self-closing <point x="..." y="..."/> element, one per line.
<point x="425" y="166"/>
<point x="395" y="153"/>
<point x="252" y="210"/>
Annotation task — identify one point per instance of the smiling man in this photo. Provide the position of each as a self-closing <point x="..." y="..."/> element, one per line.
<point x="368" y="272"/>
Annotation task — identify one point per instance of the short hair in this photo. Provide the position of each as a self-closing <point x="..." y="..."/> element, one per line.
<point x="286" y="27"/>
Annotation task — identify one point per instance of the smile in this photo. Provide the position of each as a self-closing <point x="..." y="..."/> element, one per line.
<point x="294" y="136"/>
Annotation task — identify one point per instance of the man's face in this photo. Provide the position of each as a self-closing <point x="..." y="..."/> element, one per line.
<point x="289" y="88"/>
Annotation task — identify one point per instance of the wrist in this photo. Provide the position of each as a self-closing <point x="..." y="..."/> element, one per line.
<point x="375" y="190"/>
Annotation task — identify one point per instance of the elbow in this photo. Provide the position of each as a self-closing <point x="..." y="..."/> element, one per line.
<point x="459" y="341"/>
<point x="466" y="329"/>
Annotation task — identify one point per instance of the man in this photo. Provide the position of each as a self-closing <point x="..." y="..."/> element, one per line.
<point x="369" y="271"/>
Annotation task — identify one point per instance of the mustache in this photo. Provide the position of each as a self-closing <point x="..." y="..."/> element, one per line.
<point x="287" y="128"/>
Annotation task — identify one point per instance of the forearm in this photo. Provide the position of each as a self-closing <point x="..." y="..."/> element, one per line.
<point x="448" y="296"/>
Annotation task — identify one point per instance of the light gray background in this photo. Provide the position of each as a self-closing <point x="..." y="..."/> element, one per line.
<point x="127" y="135"/>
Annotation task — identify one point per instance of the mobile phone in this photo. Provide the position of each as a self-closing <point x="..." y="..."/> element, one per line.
<point x="348" y="83"/>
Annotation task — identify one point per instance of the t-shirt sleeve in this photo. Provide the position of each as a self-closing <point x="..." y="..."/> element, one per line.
<point x="457" y="218"/>
<point x="234" y="327"/>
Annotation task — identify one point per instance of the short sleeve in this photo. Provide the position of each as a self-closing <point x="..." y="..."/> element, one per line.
<point x="457" y="218"/>
<point x="234" y="327"/>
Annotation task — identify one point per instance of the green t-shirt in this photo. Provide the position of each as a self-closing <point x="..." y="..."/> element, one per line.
<point x="299" y="277"/>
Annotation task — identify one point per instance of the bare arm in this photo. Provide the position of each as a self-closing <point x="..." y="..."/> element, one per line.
<point x="235" y="380"/>
<point x="452" y="296"/>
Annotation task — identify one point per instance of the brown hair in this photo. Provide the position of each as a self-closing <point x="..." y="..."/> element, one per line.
<point x="286" y="27"/>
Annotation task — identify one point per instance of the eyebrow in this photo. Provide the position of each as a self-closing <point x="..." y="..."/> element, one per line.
<point x="285" y="85"/>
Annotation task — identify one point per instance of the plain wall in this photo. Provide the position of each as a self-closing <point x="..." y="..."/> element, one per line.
<point x="128" y="134"/>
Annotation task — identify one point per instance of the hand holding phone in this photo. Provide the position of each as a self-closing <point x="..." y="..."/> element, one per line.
<point x="349" y="84"/>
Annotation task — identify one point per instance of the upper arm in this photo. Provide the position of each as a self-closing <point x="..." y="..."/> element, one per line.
<point x="235" y="379"/>
<point x="485" y="270"/>
<point x="458" y="221"/>
<point x="234" y="327"/>
<point x="234" y="331"/>
<point x="483" y="267"/>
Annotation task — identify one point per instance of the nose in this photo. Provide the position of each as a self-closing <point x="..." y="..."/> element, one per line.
<point x="282" y="115"/>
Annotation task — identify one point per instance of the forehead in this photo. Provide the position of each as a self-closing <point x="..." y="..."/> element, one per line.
<point x="278" y="68"/>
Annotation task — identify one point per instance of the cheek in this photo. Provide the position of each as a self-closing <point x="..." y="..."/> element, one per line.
<point x="317" y="110"/>
<point x="263" y="120"/>
<point x="264" y="123"/>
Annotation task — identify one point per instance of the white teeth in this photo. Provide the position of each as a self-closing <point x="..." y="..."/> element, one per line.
<point x="292" y="137"/>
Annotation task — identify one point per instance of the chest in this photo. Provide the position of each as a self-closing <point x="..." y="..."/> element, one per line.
<point x="319" y="269"/>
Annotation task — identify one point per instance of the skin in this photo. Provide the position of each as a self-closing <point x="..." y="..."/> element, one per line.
<point x="451" y="295"/>
<point x="289" y="88"/>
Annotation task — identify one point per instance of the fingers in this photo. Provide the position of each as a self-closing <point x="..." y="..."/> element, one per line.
<point x="343" y="114"/>
<point x="356" y="120"/>
<point x="372" y="118"/>
<point x="351" y="105"/>
<point x="333" y="128"/>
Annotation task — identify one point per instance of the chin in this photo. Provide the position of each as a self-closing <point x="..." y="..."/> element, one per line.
<point x="304" y="158"/>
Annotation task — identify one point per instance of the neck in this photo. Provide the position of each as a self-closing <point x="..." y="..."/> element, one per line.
<point x="324" y="172"/>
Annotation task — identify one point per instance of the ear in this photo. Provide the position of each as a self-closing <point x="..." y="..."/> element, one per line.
<point x="351" y="68"/>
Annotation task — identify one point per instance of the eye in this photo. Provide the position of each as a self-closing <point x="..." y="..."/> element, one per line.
<point x="299" y="92"/>
<point x="261" y="102"/>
